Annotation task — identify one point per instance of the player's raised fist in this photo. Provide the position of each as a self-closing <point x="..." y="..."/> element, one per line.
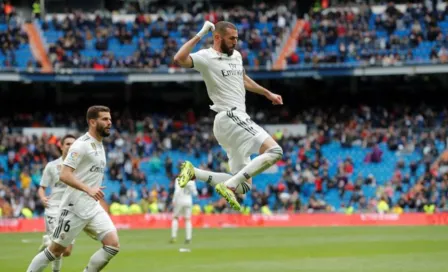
<point x="208" y="26"/>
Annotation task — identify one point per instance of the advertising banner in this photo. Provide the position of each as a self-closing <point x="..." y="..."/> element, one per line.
<point x="163" y="221"/>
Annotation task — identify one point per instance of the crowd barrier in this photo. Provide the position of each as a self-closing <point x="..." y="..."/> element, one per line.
<point x="160" y="221"/>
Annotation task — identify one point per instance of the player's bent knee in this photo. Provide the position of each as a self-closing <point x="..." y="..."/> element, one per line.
<point x="68" y="251"/>
<point x="275" y="154"/>
<point x="56" y="249"/>
<point x="111" y="239"/>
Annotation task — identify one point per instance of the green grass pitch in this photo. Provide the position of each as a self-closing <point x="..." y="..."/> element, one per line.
<point x="341" y="249"/>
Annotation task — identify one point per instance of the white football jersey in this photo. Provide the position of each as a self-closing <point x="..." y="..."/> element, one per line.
<point x="88" y="157"/>
<point x="50" y="179"/>
<point x="184" y="196"/>
<point x="223" y="76"/>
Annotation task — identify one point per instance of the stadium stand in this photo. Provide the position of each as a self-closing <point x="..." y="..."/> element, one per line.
<point x="15" y="49"/>
<point x="350" y="36"/>
<point x="80" y="40"/>
<point x="352" y="158"/>
<point x="362" y="36"/>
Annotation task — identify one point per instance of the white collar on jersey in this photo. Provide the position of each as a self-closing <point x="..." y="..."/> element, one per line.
<point x="220" y="54"/>
<point x="93" y="138"/>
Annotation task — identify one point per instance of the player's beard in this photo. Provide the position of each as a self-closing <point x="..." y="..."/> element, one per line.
<point x="102" y="131"/>
<point x="225" y="49"/>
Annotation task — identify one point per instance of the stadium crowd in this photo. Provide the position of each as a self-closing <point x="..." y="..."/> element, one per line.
<point x="352" y="35"/>
<point x="390" y="38"/>
<point x="12" y="36"/>
<point x="137" y="139"/>
<point x="174" y="27"/>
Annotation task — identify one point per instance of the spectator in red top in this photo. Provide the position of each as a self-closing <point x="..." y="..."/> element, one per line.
<point x="318" y="183"/>
<point x="293" y="58"/>
<point x="341" y="30"/>
<point x="212" y="17"/>
<point x="348" y="166"/>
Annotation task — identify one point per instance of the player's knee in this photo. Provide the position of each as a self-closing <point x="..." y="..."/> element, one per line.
<point x="275" y="153"/>
<point x="56" y="249"/>
<point x="111" y="239"/>
<point x="67" y="252"/>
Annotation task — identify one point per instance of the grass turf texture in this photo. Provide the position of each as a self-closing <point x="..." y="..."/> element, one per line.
<point x="344" y="249"/>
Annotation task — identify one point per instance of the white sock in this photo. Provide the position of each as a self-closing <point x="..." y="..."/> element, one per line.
<point x="56" y="265"/>
<point x="255" y="167"/>
<point x="41" y="261"/>
<point x="188" y="229"/>
<point x="210" y="177"/>
<point x="174" y="227"/>
<point x="101" y="258"/>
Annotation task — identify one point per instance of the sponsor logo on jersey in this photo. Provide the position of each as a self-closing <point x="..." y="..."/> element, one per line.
<point x="226" y="73"/>
<point x="98" y="169"/>
<point x="233" y="72"/>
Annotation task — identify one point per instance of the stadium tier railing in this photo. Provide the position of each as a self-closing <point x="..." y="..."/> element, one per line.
<point x="184" y="75"/>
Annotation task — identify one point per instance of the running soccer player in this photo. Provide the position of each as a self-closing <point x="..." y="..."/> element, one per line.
<point x="221" y="67"/>
<point x="50" y="179"/>
<point x="182" y="207"/>
<point x="83" y="172"/>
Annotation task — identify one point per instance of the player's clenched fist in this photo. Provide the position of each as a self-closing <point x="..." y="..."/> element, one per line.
<point x="275" y="98"/>
<point x="208" y="26"/>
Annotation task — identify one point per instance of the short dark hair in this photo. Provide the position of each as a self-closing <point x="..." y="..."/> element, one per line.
<point x="222" y="26"/>
<point x="94" y="112"/>
<point x="68" y="136"/>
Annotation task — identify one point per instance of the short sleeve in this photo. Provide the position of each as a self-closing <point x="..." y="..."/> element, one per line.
<point x="75" y="155"/>
<point x="45" y="181"/>
<point x="200" y="60"/>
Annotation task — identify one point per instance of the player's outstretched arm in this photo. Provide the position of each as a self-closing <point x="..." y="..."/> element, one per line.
<point x="69" y="178"/>
<point x="252" y="86"/>
<point x="182" y="56"/>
